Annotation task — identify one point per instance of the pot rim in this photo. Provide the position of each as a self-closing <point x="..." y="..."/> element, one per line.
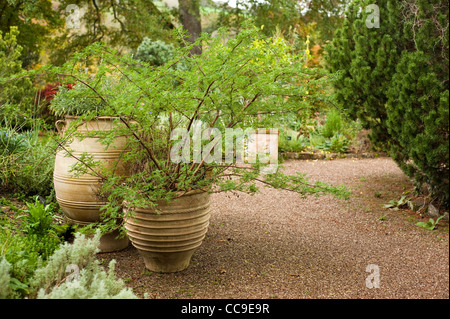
<point x="188" y="193"/>
<point x="73" y="117"/>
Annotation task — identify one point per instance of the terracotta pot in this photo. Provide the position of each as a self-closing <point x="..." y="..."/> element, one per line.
<point x="168" y="238"/>
<point x="263" y="143"/>
<point x="78" y="196"/>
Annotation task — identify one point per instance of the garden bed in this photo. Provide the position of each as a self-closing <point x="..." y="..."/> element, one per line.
<point x="317" y="154"/>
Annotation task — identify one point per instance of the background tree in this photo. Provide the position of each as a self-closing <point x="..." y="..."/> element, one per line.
<point x="35" y="20"/>
<point x="395" y="80"/>
<point x="121" y="24"/>
<point x="294" y="19"/>
<point x="417" y="106"/>
<point x="189" y="11"/>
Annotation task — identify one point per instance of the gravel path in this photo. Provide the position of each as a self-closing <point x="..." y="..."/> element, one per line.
<point x="277" y="245"/>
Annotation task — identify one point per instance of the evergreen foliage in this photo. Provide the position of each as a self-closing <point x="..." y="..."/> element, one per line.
<point x="395" y="80"/>
<point x="15" y="97"/>
<point x="25" y="164"/>
<point x="333" y="124"/>
<point x="154" y="52"/>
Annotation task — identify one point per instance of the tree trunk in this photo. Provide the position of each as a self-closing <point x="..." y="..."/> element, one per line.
<point x="189" y="11"/>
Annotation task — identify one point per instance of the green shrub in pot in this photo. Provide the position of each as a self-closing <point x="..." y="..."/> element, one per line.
<point x="178" y="118"/>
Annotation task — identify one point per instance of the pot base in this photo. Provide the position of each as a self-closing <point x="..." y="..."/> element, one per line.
<point x="109" y="243"/>
<point x="78" y="196"/>
<point x="166" y="262"/>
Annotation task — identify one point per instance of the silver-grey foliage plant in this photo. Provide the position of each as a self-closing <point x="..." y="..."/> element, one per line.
<point x="72" y="272"/>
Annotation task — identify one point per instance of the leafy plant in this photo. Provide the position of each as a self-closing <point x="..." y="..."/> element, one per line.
<point x="12" y="142"/>
<point x="26" y="243"/>
<point x="217" y="88"/>
<point x="333" y="124"/>
<point x="15" y="96"/>
<point x="46" y="95"/>
<point x="154" y="52"/>
<point x="397" y="204"/>
<point x="38" y="218"/>
<point x="316" y="140"/>
<point x="24" y="253"/>
<point x="291" y="143"/>
<point x="431" y="224"/>
<point x="337" y="143"/>
<point x="78" y="99"/>
<point x="25" y="164"/>
<point x="51" y="280"/>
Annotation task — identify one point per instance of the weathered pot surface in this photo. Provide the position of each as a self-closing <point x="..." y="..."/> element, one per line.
<point x="167" y="240"/>
<point x="78" y="196"/>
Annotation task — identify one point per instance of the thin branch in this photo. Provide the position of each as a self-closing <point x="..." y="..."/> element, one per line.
<point x="122" y="119"/>
<point x="199" y="105"/>
<point x="231" y="124"/>
<point x="122" y="25"/>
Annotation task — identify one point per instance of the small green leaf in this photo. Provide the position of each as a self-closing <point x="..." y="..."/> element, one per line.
<point x="15" y="284"/>
<point x="430" y="225"/>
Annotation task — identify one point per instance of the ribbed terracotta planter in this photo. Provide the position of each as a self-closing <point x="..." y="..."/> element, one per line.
<point x="78" y="196"/>
<point x="167" y="240"/>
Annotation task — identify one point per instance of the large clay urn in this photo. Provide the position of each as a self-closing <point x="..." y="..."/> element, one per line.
<point x="78" y="196"/>
<point x="166" y="237"/>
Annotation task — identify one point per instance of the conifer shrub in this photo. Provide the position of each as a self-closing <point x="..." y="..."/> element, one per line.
<point x="333" y="124"/>
<point x="154" y="52"/>
<point x="15" y="96"/>
<point x="394" y="78"/>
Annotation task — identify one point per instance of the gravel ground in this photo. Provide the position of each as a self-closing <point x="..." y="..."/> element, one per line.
<point x="277" y="245"/>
